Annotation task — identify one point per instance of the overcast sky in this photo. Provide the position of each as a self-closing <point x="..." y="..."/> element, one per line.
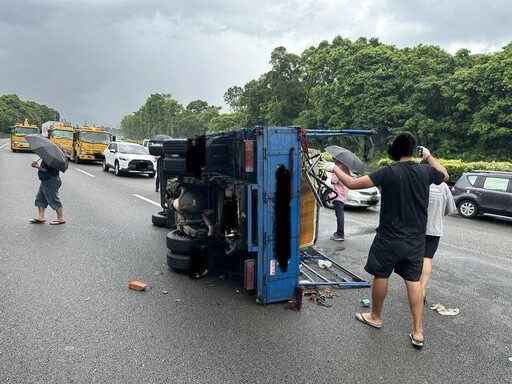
<point x="99" y="60"/>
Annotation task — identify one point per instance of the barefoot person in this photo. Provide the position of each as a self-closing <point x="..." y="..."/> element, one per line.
<point x="400" y="240"/>
<point x="48" y="193"/>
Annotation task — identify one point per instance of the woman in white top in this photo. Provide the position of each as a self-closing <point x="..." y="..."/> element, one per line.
<point x="440" y="203"/>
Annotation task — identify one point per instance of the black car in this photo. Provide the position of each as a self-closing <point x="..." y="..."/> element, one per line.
<point x="484" y="192"/>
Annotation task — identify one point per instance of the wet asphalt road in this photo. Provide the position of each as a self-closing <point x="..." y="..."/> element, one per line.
<point x="66" y="315"/>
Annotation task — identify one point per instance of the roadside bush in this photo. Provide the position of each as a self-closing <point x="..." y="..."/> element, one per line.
<point x="456" y="168"/>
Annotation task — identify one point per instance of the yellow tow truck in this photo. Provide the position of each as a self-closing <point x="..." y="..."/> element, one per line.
<point x="62" y="135"/>
<point x="18" y="132"/>
<point x="89" y="143"/>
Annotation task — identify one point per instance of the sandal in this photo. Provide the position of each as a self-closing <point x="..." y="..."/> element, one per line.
<point x="58" y="222"/>
<point x="36" y="221"/>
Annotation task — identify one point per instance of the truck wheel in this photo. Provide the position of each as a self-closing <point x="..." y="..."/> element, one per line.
<point x="156" y="149"/>
<point x="159" y="219"/>
<point x="178" y="242"/>
<point x="77" y="159"/>
<point x="178" y="262"/>
<point x="104" y="165"/>
<point x="174" y="166"/>
<point x="175" y="146"/>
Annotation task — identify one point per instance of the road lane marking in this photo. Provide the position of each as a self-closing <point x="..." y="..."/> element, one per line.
<point x="3" y="145"/>
<point x="149" y="201"/>
<point x="85" y="173"/>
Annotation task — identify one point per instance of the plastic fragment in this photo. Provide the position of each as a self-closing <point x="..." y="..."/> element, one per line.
<point x="137" y="285"/>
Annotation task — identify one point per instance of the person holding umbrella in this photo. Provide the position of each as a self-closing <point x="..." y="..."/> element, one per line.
<point x="53" y="161"/>
<point x="399" y="244"/>
<point x="343" y="160"/>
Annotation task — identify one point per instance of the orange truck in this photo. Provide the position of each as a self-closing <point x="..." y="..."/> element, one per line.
<point x="62" y="135"/>
<point x="18" y="132"/>
<point x="89" y="143"/>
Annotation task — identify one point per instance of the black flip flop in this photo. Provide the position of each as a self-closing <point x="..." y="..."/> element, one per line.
<point x="362" y="319"/>
<point x="416" y="343"/>
<point x="36" y="221"/>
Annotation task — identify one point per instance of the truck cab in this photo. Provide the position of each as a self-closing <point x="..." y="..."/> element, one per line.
<point x="62" y="136"/>
<point x="89" y="143"/>
<point x="18" y="133"/>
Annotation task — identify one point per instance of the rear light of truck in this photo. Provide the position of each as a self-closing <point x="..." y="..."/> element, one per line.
<point x="249" y="155"/>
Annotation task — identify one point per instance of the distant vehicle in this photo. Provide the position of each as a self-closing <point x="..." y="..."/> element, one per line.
<point x="366" y="197"/>
<point x="89" y="143"/>
<point x="47" y="126"/>
<point x="18" y="132"/>
<point x="62" y="135"/>
<point x="483" y="192"/>
<point x="128" y="157"/>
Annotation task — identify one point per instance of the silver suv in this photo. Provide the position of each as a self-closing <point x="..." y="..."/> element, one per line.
<point x="484" y="192"/>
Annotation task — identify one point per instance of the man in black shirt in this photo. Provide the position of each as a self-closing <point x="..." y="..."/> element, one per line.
<point x="48" y="193"/>
<point x="400" y="240"/>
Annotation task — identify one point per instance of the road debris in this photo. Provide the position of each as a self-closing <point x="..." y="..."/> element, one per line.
<point x="137" y="285"/>
<point x="365" y="303"/>
<point x="296" y="303"/>
<point x="165" y="292"/>
<point x="324" y="264"/>
<point x="87" y="298"/>
<point x="442" y="310"/>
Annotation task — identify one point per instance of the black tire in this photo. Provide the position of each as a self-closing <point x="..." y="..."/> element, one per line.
<point x="117" y="171"/>
<point x="467" y="209"/>
<point x="104" y="166"/>
<point x="151" y="174"/>
<point x="159" y="219"/>
<point x="177" y="147"/>
<point x="178" y="262"/>
<point x="156" y="149"/>
<point x="178" y="242"/>
<point x="77" y="159"/>
<point x="325" y="196"/>
<point x="174" y="165"/>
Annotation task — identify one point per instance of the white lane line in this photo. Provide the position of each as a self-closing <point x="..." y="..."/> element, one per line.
<point x="3" y="145"/>
<point x="85" y="173"/>
<point x="149" y="201"/>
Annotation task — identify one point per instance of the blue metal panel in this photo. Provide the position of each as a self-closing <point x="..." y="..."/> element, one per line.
<point x="277" y="146"/>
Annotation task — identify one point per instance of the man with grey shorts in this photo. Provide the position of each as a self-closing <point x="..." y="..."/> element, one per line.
<point x="48" y="193"/>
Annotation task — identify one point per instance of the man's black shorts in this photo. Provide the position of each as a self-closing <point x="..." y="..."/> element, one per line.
<point x="431" y="244"/>
<point x="404" y="256"/>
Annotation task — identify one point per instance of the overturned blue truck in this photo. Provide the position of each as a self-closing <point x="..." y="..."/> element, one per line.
<point x="244" y="202"/>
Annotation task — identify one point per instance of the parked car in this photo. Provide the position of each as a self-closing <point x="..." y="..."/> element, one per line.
<point x="366" y="197"/>
<point x="128" y="157"/>
<point x="483" y="192"/>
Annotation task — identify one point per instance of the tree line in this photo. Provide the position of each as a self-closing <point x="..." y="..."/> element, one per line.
<point x="459" y="105"/>
<point x="13" y="110"/>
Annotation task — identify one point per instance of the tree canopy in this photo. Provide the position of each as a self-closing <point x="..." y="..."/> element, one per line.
<point x="459" y="105"/>
<point x="13" y="110"/>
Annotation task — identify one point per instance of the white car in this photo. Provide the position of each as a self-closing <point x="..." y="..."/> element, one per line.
<point x="128" y="157"/>
<point x="366" y="197"/>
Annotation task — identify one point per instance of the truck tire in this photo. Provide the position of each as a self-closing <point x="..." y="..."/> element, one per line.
<point x="178" y="262"/>
<point x="174" y="166"/>
<point x="178" y="242"/>
<point x="77" y="159"/>
<point x="156" y="149"/>
<point x="177" y="147"/>
<point x="159" y="219"/>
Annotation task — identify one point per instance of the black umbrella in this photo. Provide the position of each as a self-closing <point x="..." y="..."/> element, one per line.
<point x="346" y="157"/>
<point x="159" y="138"/>
<point x="48" y="151"/>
